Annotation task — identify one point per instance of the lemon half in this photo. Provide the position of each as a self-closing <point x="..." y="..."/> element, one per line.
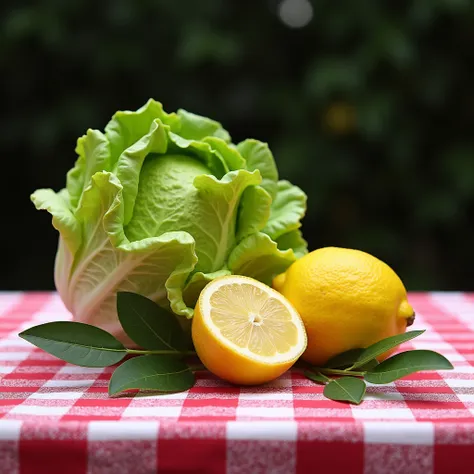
<point x="245" y="332"/>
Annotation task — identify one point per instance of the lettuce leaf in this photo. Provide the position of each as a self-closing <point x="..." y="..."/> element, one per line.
<point x="259" y="157"/>
<point x="288" y="208"/>
<point x="259" y="257"/>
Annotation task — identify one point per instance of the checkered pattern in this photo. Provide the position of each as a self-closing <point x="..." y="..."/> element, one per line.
<point x="56" y="417"/>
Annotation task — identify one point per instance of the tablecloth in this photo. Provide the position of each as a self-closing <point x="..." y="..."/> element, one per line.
<point x="58" y="418"/>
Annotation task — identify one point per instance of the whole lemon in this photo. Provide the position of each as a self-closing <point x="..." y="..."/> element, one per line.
<point x="347" y="299"/>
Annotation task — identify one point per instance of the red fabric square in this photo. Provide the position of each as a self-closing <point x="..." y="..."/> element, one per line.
<point x="261" y="457"/>
<point x="70" y="448"/>
<point x="332" y="447"/>
<point x="192" y="447"/>
<point x="121" y="456"/>
<point x="449" y="459"/>
<point x="398" y="459"/>
<point x="8" y="456"/>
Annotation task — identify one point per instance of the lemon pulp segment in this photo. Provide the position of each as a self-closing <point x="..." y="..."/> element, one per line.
<point x="249" y="318"/>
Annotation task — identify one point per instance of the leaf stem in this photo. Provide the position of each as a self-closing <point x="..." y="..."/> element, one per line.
<point x="161" y="352"/>
<point x="327" y="378"/>
<point x="323" y="371"/>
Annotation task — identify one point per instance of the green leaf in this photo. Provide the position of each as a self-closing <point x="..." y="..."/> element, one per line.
<point x="293" y="240"/>
<point x="200" y="151"/>
<point x="346" y="389"/>
<point x="369" y="365"/>
<point x="316" y="377"/>
<point x="384" y="345"/>
<point x="288" y="208"/>
<point x="344" y="359"/>
<point x="128" y="127"/>
<point x="254" y="211"/>
<point x="76" y="343"/>
<point x="259" y="157"/>
<point x="152" y="372"/>
<point x="149" y="325"/>
<point x="93" y="150"/>
<point x="197" y="127"/>
<point x="234" y="160"/>
<point x="257" y="256"/>
<point x="407" y="363"/>
<point x="130" y="163"/>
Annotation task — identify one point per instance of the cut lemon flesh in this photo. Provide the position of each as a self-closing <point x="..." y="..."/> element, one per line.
<point x="251" y="319"/>
<point x="242" y="322"/>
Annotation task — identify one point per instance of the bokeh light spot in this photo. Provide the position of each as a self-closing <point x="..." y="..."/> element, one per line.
<point x="295" y="13"/>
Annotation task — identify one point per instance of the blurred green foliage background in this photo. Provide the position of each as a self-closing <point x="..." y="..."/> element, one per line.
<point x="369" y="107"/>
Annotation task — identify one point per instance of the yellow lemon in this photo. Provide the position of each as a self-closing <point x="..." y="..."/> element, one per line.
<point x="246" y="332"/>
<point x="347" y="299"/>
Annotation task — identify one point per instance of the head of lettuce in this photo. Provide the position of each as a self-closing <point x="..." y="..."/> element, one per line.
<point x="162" y="203"/>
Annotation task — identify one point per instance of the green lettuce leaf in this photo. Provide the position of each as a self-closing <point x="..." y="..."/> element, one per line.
<point x="215" y="233"/>
<point x="196" y="127"/>
<point x="200" y="150"/>
<point x="288" y="208"/>
<point x="259" y="157"/>
<point x="94" y="155"/>
<point x="233" y="159"/>
<point x="254" y="211"/>
<point x="128" y="127"/>
<point x="257" y="256"/>
<point x="293" y="240"/>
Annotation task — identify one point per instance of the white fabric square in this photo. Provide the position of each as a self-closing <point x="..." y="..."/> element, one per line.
<point x="459" y="383"/>
<point x="10" y="430"/>
<point x="361" y="413"/>
<point x="69" y="383"/>
<point x="466" y="397"/>
<point x="122" y="430"/>
<point x="421" y="433"/>
<point x="7" y="369"/>
<point x="19" y="356"/>
<point x="265" y="412"/>
<point x="39" y="410"/>
<point x="432" y="345"/>
<point x="74" y="369"/>
<point x="70" y="395"/>
<point x="162" y="396"/>
<point x="15" y="341"/>
<point x="461" y="369"/>
<point x="132" y="411"/>
<point x="262" y="430"/>
<point x="8" y="299"/>
<point x="249" y="395"/>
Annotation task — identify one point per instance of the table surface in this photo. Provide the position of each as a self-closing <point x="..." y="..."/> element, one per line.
<point x="421" y="423"/>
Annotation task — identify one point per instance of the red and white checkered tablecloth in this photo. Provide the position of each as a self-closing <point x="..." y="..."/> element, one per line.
<point x="57" y="418"/>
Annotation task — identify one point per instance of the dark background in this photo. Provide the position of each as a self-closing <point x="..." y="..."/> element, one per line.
<point x="369" y="108"/>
